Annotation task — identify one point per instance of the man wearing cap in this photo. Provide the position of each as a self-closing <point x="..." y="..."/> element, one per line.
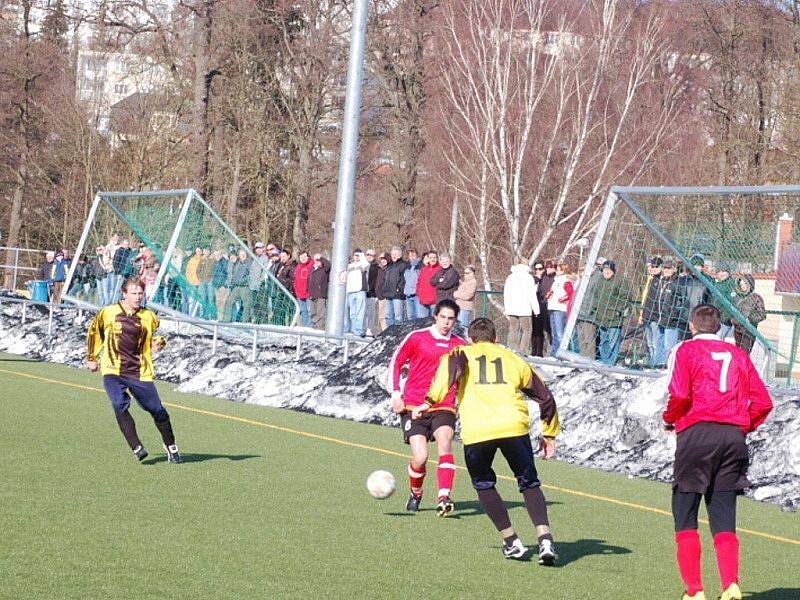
<point x="670" y="310"/>
<point x="694" y="291"/>
<point x="610" y="302"/>
<point x="649" y="315"/>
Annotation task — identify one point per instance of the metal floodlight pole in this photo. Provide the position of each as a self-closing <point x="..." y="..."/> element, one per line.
<point x="347" y="170"/>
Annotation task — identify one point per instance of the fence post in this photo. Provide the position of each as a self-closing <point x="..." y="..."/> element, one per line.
<point x="255" y="343"/>
<point x="297" y="352"/>
<point x="345" y="351"/>
<point x="214" y="341"/>
<point x="24" y="311"/>
<point x="792" y="351"/>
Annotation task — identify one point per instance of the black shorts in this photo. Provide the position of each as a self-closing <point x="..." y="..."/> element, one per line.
<point x="429" y="422"/>
<point x="518" y="452"/>
<point x="711" y="457"/>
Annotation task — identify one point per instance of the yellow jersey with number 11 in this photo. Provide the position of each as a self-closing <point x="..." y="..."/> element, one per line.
<point x="491" y="382"/>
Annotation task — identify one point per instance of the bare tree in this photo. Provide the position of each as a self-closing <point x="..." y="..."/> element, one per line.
<point x="399" y="33"/>
<point x="543" y="109"/>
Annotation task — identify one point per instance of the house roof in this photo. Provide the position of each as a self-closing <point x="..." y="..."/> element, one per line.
<point x="787" y="280"/>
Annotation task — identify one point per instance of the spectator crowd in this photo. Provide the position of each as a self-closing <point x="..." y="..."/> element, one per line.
<point x="383" y="289"/>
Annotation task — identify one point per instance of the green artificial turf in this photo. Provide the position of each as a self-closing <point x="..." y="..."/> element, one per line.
<point x="259" y="512"/>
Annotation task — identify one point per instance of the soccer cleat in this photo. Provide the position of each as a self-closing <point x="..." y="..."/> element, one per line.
<point x="732" y="593"/>
<point x="140" y="453"/>
<point x="701" y="595"/>
<point x="413" y="502"/>
<point x="515" y="549"/>
<point x="547" y="553"/>
<point x="173" y="455"/>
<point x="445" y="506"/>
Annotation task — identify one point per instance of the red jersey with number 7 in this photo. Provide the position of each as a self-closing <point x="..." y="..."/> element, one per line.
<point x="715" y="382"/>
<point x="422" y="349"/>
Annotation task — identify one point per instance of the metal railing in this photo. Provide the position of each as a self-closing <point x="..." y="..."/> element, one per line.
<point x="15" y="268"/>
<point x="233" y="332"/>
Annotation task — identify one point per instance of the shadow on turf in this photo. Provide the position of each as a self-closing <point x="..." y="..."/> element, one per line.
<point x="775" y="594"/>
<point x="193" y="458"/>
<point x="469" y="508"/>
<point x="569" y="552"/>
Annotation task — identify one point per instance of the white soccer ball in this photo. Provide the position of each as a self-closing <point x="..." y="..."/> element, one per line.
<point x="380" y="484"/>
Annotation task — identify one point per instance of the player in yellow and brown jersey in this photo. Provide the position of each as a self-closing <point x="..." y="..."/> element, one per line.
<point x="490" y="381"/>
<point x="121" y="337"/>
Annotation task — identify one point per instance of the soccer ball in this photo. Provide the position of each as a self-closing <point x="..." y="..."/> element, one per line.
<point x="380" y="484"/>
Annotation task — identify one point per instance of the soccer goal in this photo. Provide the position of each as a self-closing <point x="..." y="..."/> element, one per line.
<point x="191" y="262"/>
<point x="667" y="249"/>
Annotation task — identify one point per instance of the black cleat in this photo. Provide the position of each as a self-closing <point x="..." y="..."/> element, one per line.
<point x="413" y="502"/>
<point x="445" y="506"/>
<point x="173" y="455"/>
<point x="140" y="453"/>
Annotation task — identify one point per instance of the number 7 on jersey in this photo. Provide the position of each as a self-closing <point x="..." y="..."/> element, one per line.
<point x="725" y="358"/>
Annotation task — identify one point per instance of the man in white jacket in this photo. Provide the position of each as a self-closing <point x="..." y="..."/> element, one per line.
<point x="355" y="280"/>
<point x="520" y="304"/>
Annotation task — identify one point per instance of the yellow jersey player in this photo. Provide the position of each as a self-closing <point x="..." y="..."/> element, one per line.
<point x="120" y="342"/>
<point x="490" y="382"/>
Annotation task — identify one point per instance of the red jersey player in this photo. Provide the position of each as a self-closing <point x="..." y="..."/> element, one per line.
<point x="716" y="398"/>
<point x="422" y="349"/>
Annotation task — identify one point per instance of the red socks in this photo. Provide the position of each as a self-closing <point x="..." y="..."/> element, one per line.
<point x="415" y="479"/>
<point x="445" y="474"/>
<point x="726" y="545"/>
<point x="688" y="553"/>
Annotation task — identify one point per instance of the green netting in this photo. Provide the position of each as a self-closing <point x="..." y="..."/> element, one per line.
<point x="670" y="252"/>
<point x="191" y="262"/>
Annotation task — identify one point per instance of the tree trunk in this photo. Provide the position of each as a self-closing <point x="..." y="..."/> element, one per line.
<point x="302" y="201"/>
<point x="233" y="196"/>
<point x="203" y="76"/>
<point x="15" y="223"/>
<point x="453" y="227"/>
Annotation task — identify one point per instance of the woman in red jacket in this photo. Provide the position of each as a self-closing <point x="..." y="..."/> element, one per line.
<point x="426" y="292"/>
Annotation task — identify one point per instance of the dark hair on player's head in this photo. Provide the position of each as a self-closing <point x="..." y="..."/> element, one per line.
<point x="482" y="330"/>
<point x="446" y="303"/>
<point x="706" y="318"/>
<point x="132" y="282"/>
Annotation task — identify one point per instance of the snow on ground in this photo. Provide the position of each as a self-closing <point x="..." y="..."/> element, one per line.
<point x="609" y="422"/>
